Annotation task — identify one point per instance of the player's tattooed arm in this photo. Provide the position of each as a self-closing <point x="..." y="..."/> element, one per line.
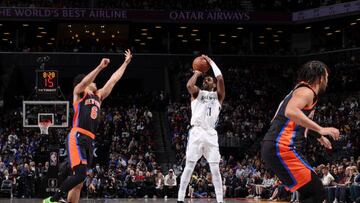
<point x="109" y="85"/>
<point x="303" y="97"/>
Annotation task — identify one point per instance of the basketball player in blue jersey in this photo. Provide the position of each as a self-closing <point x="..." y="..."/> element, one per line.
<point x="282" y="143"/>
<point x="203" y="139"/>
<point x="87" y="101"/>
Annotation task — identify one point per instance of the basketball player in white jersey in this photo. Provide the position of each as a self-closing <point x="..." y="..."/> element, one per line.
<point x="203" y="139"/>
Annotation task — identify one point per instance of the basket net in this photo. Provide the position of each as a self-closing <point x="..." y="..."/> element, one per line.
<point x="44" y="127"/>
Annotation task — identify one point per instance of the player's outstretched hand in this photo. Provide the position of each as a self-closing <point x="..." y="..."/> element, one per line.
<point x="104" y="62"/>
<point x="325" y="142"/>
<point x="128" y="56"/>
<point x="333" y="132"/>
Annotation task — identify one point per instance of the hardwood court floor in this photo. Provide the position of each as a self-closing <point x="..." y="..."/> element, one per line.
<point x="150" y="200"/>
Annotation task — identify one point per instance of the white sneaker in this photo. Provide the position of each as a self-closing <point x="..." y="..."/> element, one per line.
<point x="335" y="201"/>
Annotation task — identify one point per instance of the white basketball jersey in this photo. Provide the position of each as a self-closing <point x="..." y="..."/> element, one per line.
<point x="205" y="110"/>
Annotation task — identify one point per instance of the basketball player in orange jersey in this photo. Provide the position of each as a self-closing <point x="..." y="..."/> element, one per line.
<point x="282" y="143"/>
<point x="87" y="100"/>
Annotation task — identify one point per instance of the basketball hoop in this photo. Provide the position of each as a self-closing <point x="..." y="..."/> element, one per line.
<point x="44" y="127"/>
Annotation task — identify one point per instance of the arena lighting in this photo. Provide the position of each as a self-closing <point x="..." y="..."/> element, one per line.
<point x="25" y="25"/>
<point x="195" y="30"/>
<point x="78" y="40"/>
<point x="49" y="43"/>
<point x="183" y="27"/>
<point x="144" y="33"/>
<point x="143" y="43"/>
<point x="0" y="24"/>
<point x="180" y="35"/>
<point x="72" y="37"/>
<point x="276" y="40"/>
<point x="275" y="35"/>
<point x="221" y="35"/>
<point x="223" y="42"/>
<point x="308" y="27"/>
<point x="240" y="28"/>
<point x="326" y="28"/>
<point x="53" y="39"/>
<point x="44" y="33"/>
<point x="193" y="34"/>
<point x="112" y="36"/>
<point x="261" y="42"/>
<point x="158" y="27"/>
<point x="268" y="28"/>
<point x="137" y="40"/>
<point x="184" y="40"/>
<point x="261" y="36"/>
<point x="337" y="31"/>
<point x="103" y="26"/>
<point x="38" y="36"/>
<point x="358" y="19"/>
<point x="118" y="32"/>
<point x="149" y="37"/>
<point x="233" y="36"/>
<point x="70" y="31"/>
<point x="144" y="29"/>
<point x="76" y="35"/>
<point x="41" y="28"/>
<point x="69" y="26"/>
<point x="329" y="33"/>
<point x="197" y="39"/>
<point x="279" y="31"/>
<point x="97" y="39"/>
<point x="87" y="31"/>
<point x="4" y="39"/>
<point x="103" y="31"/>
<point x="352" y="24"/>
<point x="93" y="33"/>
<point x="6" y="33"/>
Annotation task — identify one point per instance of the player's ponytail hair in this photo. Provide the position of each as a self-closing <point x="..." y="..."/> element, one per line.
<point x="78" y="79"/>
<point x="312" y="71"/>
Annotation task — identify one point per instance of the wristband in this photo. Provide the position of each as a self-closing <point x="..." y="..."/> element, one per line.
<point x="215" y="69"/>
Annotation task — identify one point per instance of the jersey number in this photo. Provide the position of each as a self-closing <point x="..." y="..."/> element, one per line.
<point x="94" y="112"/>
<point x="209" y="111"/>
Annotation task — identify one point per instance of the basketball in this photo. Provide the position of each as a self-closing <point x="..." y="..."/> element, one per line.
<point x="200" y="64"/>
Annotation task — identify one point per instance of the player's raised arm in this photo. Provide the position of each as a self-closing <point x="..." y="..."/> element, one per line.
<point x="191" y="85"/>
<point x="301" y="98"/>
<point x="89" y="78"/>
<point x="109" y="85"/>
<point x="220" y="85"/>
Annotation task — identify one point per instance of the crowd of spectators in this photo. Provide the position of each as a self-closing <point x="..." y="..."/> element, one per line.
<point x="126" y="139"/>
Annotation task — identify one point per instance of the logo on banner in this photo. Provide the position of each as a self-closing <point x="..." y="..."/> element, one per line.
<point x="53" y="159"/>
